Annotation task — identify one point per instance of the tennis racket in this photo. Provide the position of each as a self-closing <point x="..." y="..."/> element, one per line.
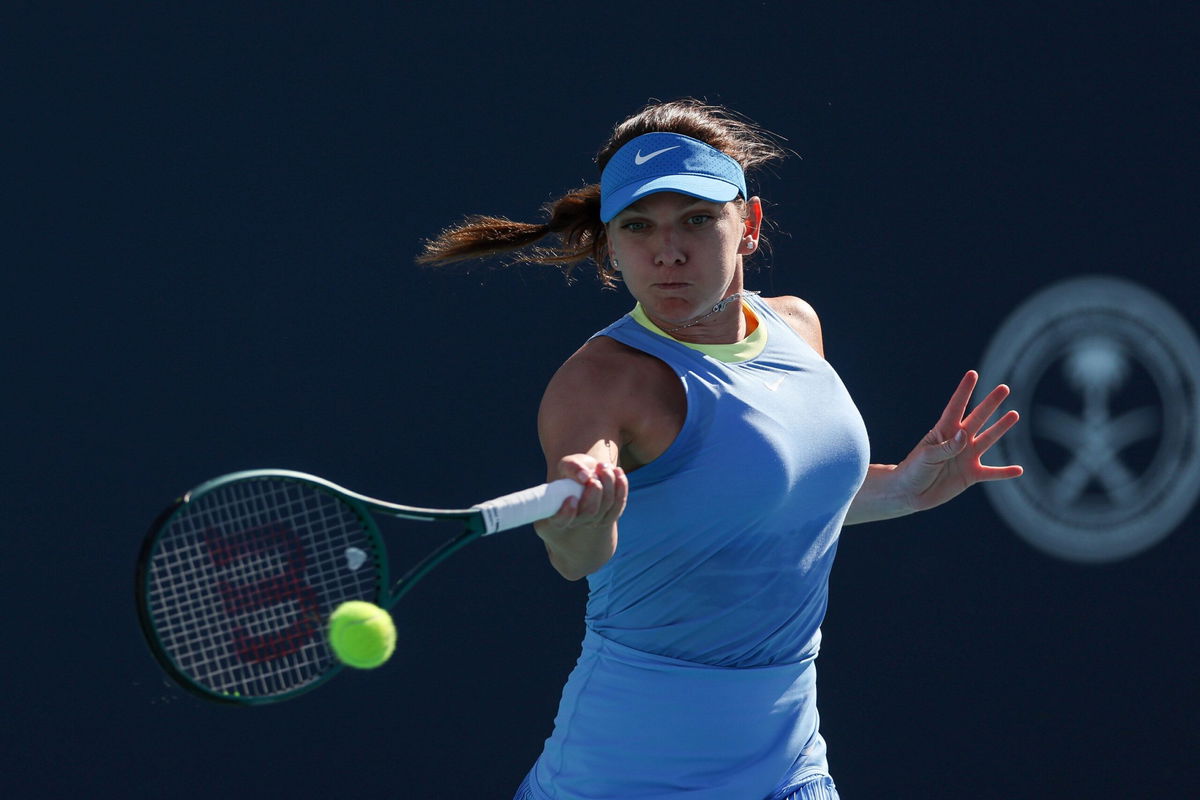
<point x="237" y="578"/>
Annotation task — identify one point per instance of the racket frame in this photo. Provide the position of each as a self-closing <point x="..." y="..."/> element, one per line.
<point x="362" y="505"/>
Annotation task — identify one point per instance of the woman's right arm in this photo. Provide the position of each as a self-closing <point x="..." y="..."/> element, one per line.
<point x="583" y="425"/>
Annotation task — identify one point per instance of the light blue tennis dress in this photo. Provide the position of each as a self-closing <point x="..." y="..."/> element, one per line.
<point x="697" y="677"/>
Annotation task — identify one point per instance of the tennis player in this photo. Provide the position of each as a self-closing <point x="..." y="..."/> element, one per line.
<point x="721" y="456"/>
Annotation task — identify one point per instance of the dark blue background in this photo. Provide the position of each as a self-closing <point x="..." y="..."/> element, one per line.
<point x="210" y="268"/>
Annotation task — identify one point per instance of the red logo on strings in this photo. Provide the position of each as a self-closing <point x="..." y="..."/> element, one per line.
<point x="285" y="586"/>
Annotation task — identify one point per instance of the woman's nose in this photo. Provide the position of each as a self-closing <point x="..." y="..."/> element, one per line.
<point x="667" y="249"/>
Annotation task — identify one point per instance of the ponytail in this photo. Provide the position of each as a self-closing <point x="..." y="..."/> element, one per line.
<point x="574" y="220"/>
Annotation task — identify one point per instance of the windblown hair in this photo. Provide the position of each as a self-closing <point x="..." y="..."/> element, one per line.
<point x="574" y="219"/>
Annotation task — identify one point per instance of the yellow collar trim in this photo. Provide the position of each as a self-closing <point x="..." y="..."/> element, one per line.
<point x="744" y="350"/>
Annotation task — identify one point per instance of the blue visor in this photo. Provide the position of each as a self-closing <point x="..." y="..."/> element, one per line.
<point x="668" y="162"/>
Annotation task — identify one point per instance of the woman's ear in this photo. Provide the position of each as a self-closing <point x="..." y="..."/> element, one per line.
<point x="752" y="227"/>
<point x="614" y="265"/>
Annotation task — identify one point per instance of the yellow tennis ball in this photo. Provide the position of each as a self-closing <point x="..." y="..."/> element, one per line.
<point x="361" y="634"/>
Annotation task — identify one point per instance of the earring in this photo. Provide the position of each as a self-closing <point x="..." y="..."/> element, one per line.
<point x="616" y="266"/>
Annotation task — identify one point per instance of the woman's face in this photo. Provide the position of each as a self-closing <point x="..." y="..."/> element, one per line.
<point x="680" y="255"/>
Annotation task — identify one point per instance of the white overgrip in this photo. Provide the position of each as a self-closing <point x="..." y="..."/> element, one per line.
<point x="526" y="506"/>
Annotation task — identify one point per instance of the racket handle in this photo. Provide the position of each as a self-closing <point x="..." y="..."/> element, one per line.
<point x="529" y="505"/>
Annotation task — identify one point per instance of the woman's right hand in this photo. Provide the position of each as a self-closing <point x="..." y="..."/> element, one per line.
<point x="582" y="536"/>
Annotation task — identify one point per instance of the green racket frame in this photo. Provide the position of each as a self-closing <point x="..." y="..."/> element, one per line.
<point x="359" y="505"/>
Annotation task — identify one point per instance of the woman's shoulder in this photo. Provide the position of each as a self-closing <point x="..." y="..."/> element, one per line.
<point x="607" y="366"/>
<point x="609" y="390"/>
<point x="800" y="317"/>
<point x="606" y="376"/>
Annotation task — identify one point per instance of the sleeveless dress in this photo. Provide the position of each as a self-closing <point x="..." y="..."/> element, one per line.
<point x="697" y="676"/>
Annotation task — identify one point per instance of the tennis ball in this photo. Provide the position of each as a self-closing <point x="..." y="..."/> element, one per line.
<point x="361" y="634"/>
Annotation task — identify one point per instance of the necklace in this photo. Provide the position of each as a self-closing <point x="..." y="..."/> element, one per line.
<point x="715" y="309"/>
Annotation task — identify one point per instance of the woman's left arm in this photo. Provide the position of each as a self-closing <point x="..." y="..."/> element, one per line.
<point x="943" y="464"/>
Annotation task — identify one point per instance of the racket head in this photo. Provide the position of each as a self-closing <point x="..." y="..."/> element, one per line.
<point x="237" y="578"/>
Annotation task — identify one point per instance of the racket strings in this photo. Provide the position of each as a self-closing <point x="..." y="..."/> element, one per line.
<point x="243" y="578"/>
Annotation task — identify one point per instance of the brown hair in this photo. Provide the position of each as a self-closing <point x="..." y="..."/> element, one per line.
<point x="574" y="218"/>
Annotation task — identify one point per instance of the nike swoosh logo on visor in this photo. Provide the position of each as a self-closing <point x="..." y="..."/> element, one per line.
<point x="640" y="159"/>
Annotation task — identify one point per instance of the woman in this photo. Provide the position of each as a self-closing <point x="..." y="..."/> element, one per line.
<point x="720" y="456"/>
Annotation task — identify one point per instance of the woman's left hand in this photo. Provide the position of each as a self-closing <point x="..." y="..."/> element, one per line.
<point x="946" y="461"/>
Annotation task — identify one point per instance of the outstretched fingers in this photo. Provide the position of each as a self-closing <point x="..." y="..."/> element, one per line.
<point x="983" y="412"/>
<point x="976" y="439"/>
<point x="984" y="441"/>
<point x="999" y="473"/>
<point x="956" y="409"/>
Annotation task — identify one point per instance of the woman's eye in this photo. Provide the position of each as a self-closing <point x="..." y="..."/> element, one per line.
<point x="698" y="219"/>
<point x="634" y="226"/>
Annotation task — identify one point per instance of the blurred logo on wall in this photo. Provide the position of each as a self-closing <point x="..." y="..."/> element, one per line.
<point x="1105" y="374"/>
